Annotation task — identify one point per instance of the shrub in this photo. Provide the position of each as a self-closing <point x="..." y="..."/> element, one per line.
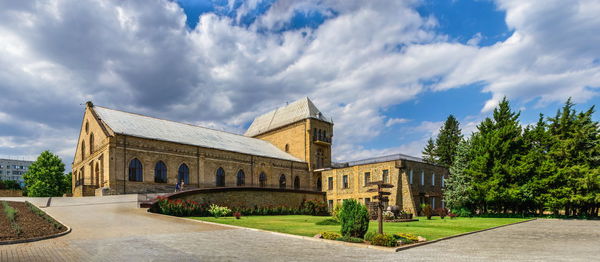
<point x="314" y="208"/>
<point x="388" y="215"/>
<point x="237" y="215"/>
<point x="218" y="211"/>
<point x="452" y="215"/>
<point x="385" y="240"/>
<point x="327" y="222"/>
<point x="350" y="239"/>
<point x="354" y="218"/>
<point x="406" y="238"/>
<point x="427" y="210"/>
<point x="442" y="212"/>
<point x="369" y="236"/>
<point x="179" y="207"/>
<point x="462" y="212"/>
<point x="330" y="235"/>
<point x="335" y="213"/>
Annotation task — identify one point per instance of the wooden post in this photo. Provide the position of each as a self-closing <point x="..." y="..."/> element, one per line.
<point x="381" y="198"/>
<point x="380" y="217"/>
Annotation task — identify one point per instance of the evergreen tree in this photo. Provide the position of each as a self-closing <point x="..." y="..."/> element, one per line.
<point x="457" y="193"/>
<point x="447" y="141"/>
<point x="429" y="152"/>
<point x="496" y="149"/>
<point x="45" y="177"/>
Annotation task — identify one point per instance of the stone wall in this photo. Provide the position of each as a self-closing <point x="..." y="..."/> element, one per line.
<point x="85" y="190"/>
<point x="250" y="197"/>
<point x="10" y="193"/>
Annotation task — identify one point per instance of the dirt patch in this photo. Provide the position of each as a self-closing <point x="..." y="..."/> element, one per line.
<point x="32" y="225"/>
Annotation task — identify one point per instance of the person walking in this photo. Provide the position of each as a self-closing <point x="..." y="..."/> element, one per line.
<point x="181" y="186"/>
<point x="177" y="187"/>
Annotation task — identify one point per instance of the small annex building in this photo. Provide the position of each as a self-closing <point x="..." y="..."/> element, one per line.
<point x="288" y="148"/>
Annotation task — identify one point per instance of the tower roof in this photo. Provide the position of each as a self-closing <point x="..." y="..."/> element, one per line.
<point x="299" y="110"/>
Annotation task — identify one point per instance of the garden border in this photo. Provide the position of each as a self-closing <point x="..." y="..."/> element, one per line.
<point x="388" y="249"/>
<point x="34" y="239"/>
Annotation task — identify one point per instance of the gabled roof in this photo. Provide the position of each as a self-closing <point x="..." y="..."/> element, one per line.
<point x="296" y="111"/>
<point x="158" y="129"/>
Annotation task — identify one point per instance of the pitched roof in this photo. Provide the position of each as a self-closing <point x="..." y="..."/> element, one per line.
<point x="153" y="128"/>
<point x="296" y="111"/>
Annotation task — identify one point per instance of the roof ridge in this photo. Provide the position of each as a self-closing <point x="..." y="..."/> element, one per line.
<point x="162" y="119"/>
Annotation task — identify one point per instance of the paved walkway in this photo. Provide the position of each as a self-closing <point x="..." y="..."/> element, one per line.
<point x="113" y="229"/>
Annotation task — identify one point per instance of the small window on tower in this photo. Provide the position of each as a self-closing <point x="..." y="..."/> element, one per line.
<point x="287" y="147"/>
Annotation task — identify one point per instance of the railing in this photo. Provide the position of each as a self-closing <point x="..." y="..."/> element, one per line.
<point x="322" y="139"/>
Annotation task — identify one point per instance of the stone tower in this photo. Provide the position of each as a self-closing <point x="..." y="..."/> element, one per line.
<point x="298" y="128"/>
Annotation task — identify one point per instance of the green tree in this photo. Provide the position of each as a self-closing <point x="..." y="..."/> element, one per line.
<point x="67" y="183"/>
<point x="447" y="141"/>
<point x="45" y="177"/>
<point x="429" y="152"/>
<point x="354" y="218"/>
<point x="458" y="186"/>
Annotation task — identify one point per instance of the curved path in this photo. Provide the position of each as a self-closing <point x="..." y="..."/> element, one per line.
<point x="114" y="229"/>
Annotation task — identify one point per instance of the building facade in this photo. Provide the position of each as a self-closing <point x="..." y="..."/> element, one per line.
<point x="287" y="148"/>
<point x="13" y="169"/>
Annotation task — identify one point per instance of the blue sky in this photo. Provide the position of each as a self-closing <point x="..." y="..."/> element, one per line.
<point x="388" y="72"/>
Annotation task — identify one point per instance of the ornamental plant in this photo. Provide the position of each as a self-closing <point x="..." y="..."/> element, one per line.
<point x="218" y="211"/>
<point x="330" y="235"/>
<point x="385" y="240"/>
<point x="427" y="211"/>
<point x="354" y="217"/>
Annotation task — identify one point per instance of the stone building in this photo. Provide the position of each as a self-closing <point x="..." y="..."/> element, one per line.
<point x="287" y="148"/>
<point x="415" y="182"/>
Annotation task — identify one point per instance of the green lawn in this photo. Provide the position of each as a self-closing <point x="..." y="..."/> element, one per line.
<point x="305" y="225"/>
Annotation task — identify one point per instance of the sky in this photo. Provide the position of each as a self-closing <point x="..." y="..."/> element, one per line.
<point x="387" y="72"/>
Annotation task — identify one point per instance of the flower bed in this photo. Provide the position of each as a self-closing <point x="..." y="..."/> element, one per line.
<point x="21" y="221"/>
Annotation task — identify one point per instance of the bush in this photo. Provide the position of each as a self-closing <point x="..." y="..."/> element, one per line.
<point x="442" y="212"/>
<point x="330" y="235"/>
<point x="314" y="208"/>
<point x="463" y="212"/>
<point x="335" y="213"/>
<point x="427" y="210"/>
<point x="452" y="215"/>
<point x="354" y="218"/>
<point x="351" y="239"/>
<point x="327" y="222"/>
<point x="385" y="240"/>
<point x="406" y="238"/>
<point x="237" y="215"/>
<point x="179" y="207"/>
<point x="369" y="236"/>
<point x="218" y="211"/>
<point x="9" y="184"/>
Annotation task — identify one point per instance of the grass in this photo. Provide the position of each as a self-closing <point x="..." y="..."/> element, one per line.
<point x="305" y="225"/>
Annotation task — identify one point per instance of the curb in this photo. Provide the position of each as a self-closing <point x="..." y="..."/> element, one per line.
<point x="388" y="249"/>
<point x="34" y="239"/>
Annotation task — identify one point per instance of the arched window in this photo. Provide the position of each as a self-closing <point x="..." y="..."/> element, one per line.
<point x="82" y="150"/>
<point x="184" y="174"/>
<point x="319" y="184"/>
<point x="282" y="181"/>
<point x="91" y="143"/>
<point x="262" y="179"/>
<point x="135" y="170"/>
<point x="87" y="127"/>
<point x="297" y="182"/>
<point x="241" y="178"/>
<point x="287" y="147"/>
<point x="324" y="135"/>
<point x="320" y="137"/>
<point x="97" y="174"/>
<point x="320" y="156"/>
<point x="220" y="177"/>
<point x="160" y="172"/>
<point x="314" y="134"/>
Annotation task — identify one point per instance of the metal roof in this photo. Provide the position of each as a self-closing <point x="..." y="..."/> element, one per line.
<point x="377" y="160"/>
<point x="295" y="111"/>
<point x="153" y="128"/>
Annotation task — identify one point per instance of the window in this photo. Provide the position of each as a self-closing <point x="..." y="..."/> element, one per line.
<point x="422" y="178"/>
<point x="220" y="177"/>
<point x="410" y="176"/>
<point x="330" y="204"/>
<point x="319" y="184"/>
<point x="287" y="147"/>
<point x="314" y="134"/>
<point x="320" y="158"/>
<point x="262" y="179"/>
<point x="282" y="181"/>
<point x="433" y="179"/>
<point x="367" y="178"/>
<point x="183" y="174"/>
<point x="443" y="204"/>
<point x="345" y="181"/>
<point x="330" y="183"/>
<point x="160" y="172"/>
<point x="82" y="150"/>
<point x="87" y="127"/>
<point x="240" y="178"/>
<point x="433" y="203"/>
<point x="91" y="143"/>
<point x="386" y="176"/>
<point x="135" y="170"/>
<point x="297" y="182"/>
<point x="443" y="183"/>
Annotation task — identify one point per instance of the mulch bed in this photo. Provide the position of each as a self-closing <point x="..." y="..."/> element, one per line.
<point x="32" y="225"/>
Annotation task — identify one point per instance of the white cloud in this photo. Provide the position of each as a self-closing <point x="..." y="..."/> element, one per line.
<point x="394" y="121"/>
<point x="366" y="57"/>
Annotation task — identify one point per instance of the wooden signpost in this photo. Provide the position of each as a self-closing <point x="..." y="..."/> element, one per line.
<point x="382" y="197"/>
